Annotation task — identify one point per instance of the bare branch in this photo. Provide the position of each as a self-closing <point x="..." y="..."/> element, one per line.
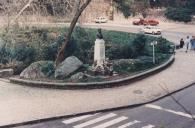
<point x="22" y="10"/>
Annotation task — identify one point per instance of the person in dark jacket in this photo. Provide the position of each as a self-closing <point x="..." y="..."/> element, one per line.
<point x="181" y="44"/>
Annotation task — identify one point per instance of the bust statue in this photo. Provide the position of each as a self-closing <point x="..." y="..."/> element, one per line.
<point x="99" y="34"/>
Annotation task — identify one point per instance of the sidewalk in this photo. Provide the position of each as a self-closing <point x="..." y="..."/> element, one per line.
<point x="20" y="104"/>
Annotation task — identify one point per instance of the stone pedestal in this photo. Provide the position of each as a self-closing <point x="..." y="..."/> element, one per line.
<point x="101" y="65"/>
<point x="99" y="53"/>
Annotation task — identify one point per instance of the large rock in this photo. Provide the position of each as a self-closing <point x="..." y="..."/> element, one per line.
<point x="35" y="70"/>
<point x="78" y="76"/>
<point x="68" y="66"/>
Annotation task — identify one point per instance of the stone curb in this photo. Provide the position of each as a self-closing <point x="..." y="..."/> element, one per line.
<point x="94" y="85"/>
<point x="6" y="72"/>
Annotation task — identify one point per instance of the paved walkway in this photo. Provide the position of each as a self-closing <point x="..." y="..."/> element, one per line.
<point x="19" y="103"/>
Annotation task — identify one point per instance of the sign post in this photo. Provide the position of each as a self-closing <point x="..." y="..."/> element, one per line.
<point x="153" y="50"/>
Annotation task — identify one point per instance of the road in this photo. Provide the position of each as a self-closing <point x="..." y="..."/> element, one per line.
<point x="165" y="113"/>
<point x="173" y="33"/>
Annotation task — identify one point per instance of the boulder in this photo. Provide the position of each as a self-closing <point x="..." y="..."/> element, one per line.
<point x="68" y="66"/>
<point x="78" y="76"/>
<point x="35" y="70"/>
<point x="6" y="72"/>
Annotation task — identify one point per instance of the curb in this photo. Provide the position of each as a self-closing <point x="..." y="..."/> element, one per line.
<point x="94" y="85"/>
<point x="96" y="111"/>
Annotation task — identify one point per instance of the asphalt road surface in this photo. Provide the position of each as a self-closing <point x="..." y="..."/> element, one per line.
<point x="165" y="113"/>
<point x="170" y="34"/>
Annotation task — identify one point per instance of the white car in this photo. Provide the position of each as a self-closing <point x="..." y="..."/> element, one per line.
<point x="151" y="30"/>
<point x="101" y="20"/>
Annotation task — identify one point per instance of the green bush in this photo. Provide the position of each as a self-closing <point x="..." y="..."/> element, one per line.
<point x="23" y="52"/>
<point x="124" y="7"/>
<point x="179" y="14"/>
<point x="163" y="45"/>
<point x="41" y="45"/>
<point x="139" y="45"/>
<point x="48" y="69"/>
<point x="5" y="54"/>
<point x="50" y="52"/>
<point x="133" y="65"/>
<point x="84" y="45"/>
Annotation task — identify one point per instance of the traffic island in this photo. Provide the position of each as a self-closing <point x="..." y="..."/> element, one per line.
<point x="94" y="85"/>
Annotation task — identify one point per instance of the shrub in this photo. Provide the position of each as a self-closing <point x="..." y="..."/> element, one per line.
<point x="50" y="52"/>
<point x="44" y="45"/>
<point x="5" y="54"/>
<point x="23" y="52"/>
<point x="84" y="45"/>
<point x="132" y="65"/>
<point x="179" y="14"/>
<point x="114" y="52"/>
<point x="124" y="7"/>
<point x="139" y="44"/>
<point x="163" y="46"/>
<point x="48" y="69"/>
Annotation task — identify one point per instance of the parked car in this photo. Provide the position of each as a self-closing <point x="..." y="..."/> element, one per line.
<point x="152" y="22"/>
<point x="101" y="20"/>
<point x="151" y="30"/>
<point x="141" y="21"/>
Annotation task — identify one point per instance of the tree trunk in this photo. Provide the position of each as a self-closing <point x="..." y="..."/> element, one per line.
<point x="60" y="55"/>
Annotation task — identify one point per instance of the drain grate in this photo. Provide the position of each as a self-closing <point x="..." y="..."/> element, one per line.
<point x="137" y="92"/>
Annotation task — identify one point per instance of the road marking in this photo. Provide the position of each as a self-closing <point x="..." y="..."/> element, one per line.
<point x="149" y="126"/>
<point x="72" y="120"/>
<point x="129" y="124"/>
<point x="95" y="120"/>
<point x="168" y="110"/>
<point x="112" y="122"/>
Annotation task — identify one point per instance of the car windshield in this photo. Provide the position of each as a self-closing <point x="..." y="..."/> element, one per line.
<point x="151" y="27"/>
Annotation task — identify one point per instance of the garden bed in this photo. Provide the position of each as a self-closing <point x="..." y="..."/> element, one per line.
<point x="41" y="44"/>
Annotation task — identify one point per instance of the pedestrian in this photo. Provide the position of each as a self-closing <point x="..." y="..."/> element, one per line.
<point x="193" y="42"/>
<point x="187" y="43"/>
<point x="181" y="44"/>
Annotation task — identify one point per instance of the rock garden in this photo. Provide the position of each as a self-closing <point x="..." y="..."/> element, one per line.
<point x="30" y="53"/>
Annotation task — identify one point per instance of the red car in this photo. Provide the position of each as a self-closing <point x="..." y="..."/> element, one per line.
<point x="145" y="22"/>
<point x="139" y="22"/>
<point x="152" y="22"/>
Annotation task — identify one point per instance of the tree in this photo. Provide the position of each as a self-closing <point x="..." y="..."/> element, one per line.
<point x="79" y="7"/>
<point x="73" y="8"/>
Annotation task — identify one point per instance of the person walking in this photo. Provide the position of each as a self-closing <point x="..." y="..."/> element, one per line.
<point x="193" y="42"/>
<point x="181" y="44"/>
<point x="187" y="43"/>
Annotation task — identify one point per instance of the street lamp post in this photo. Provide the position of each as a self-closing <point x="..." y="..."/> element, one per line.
<point x="153" y="50"/>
